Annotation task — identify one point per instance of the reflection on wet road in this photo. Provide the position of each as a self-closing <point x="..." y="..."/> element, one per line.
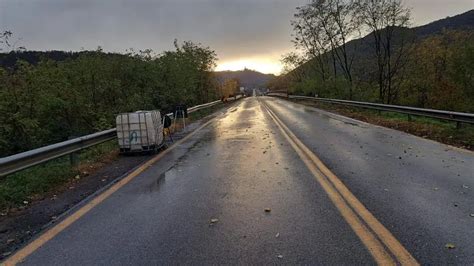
<point x="241" y="191"/>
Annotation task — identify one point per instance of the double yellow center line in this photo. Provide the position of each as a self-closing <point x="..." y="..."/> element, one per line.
<point x="19" y="256"/>
<point x="382" y="245"/>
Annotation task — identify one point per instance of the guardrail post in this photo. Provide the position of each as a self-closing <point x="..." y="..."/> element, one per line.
<point x="74" y="156"/>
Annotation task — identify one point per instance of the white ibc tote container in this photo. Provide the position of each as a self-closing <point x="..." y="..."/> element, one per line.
<point x="139" y="131"/>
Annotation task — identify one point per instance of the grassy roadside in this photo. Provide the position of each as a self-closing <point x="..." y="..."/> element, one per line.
<point x="19" y="190"/>
<point x="429" y="128"/>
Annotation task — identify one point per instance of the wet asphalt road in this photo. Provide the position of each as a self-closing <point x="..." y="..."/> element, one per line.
<point x="240" y="164"/>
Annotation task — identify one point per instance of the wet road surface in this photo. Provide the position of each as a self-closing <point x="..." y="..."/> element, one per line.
<point x="205" y="201"/>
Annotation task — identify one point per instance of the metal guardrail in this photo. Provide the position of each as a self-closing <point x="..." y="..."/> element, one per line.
<point x="432" y="113"/>
<point x="20" y="161"/>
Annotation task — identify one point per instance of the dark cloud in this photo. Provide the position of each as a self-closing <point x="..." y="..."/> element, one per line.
<point x="234" y="28"/>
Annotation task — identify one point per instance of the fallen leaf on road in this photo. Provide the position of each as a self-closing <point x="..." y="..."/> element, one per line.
<point x="450" y="246"/>
<point x="472" y="215"/>
<point x="277" y="235"/>
<point x="214" y="220"/>
<point x="268" y="210"/>
<point x="280" y="256"/>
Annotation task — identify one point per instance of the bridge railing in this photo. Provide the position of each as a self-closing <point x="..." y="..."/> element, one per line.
<point x="432" y="113"/>
<point x="20" y="161"/>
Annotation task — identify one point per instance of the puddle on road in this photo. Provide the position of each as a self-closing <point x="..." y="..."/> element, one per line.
<point x="162" y="179"/>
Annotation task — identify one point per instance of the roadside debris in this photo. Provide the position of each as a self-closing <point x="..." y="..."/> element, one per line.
<point x="6" y="254"/>
<point x="450" y="246"/>
<point x="277" y="235"/>
<point x="280" y="256"/>
<point x="268" y="210"/>
<point x="214" y="221"/>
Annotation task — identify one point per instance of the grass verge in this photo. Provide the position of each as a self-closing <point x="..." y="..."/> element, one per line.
<point x="429" y="128"/>
<point x="20" y="189"/>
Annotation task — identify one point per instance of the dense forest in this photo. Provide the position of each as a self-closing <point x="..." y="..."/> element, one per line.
<point x="48" y="100"/>
<point x="365" y="50"/>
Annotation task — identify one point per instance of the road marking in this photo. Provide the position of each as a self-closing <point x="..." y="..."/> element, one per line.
<point x="20" y="255"/>
<point x="343" y="199"/>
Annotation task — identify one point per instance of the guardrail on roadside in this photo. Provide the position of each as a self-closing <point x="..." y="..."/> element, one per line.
<point x="432" y="113"/>
<point x="20" y="161"/>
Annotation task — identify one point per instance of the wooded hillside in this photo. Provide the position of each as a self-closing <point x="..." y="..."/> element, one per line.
<point x="431" y="66"/>
<point x="51" y="99"/>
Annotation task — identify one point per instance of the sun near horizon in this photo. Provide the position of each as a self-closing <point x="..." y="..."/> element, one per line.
<point x="263" y="65"/>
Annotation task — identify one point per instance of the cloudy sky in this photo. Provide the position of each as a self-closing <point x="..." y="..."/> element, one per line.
<point x="244" y="33"/>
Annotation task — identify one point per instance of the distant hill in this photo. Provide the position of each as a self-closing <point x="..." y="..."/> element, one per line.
<point x="364" y="46"/>
<point x="464" y="21"/>
<point x="248" y="78"/>
<point x="9" y="60"/>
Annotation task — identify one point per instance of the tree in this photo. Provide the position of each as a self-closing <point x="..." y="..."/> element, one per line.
<point x="310" y="38"/>
<point x="328" y="25"/>
<point x="6" y="43"/>
<point x="386" y="19"/>
<point x="291" y="62"/>
<point x="5" y="39"/>
<point x="229" y="88"/>
<point x="49" y="101"/>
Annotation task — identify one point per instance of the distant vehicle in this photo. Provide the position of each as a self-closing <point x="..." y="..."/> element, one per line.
<point x="141" y="131"/>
